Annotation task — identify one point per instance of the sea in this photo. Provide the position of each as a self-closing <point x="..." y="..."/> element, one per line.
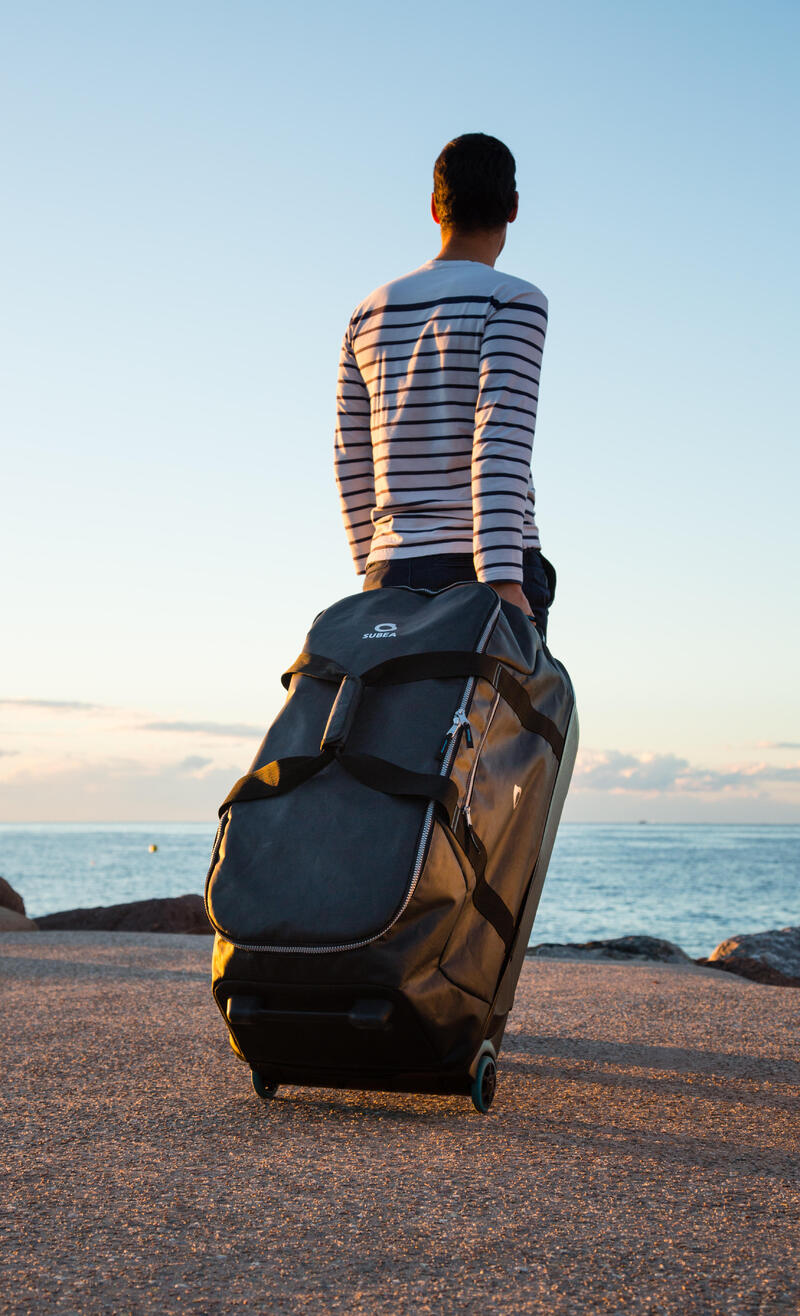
<point x="691" y="884"/>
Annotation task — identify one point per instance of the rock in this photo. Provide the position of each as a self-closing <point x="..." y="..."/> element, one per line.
<point x="173" y="914"/>
<point x="616" y="948"/>
<point x="11" y="921"/>
<point x="769" y="957"/>
<point x="9" y="898"/>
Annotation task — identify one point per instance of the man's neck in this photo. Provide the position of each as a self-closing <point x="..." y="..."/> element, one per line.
<point x="483" y="245"/>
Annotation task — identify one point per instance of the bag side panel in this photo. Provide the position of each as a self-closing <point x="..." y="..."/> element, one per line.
<point x="510" y="798"/>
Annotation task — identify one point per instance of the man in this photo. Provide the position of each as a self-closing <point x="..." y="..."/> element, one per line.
<point x="436" y="403"/>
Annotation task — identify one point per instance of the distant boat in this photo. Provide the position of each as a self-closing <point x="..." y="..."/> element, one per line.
<point x="152" y="848"/>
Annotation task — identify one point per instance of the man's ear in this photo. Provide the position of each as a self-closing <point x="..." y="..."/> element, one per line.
<point x="434" y="211"/>
<point x="513" y="212"/>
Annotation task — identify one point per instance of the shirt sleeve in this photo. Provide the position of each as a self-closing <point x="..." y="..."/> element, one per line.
<point x="505" y="419"/>
<point x="353" y="465"/>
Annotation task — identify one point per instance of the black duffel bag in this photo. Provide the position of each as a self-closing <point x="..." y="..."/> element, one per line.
<point x="376" y="873"/>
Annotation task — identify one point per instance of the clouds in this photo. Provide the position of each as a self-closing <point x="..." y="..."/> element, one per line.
<point x="610" y="770"/>
<point x="53" y="705"/>
<point x="654" y="774"/>
<point x="195" y="763"/>
<point x="65" y="758"/>
<point x="228" y="730"/>
<point x="232" y="730"/>
<point x="118" y="790"/>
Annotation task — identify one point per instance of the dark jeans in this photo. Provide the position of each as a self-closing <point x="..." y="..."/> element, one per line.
<point x="443" y="569"/>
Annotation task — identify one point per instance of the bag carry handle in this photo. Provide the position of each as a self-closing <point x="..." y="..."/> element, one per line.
<point x="440" y="665"/>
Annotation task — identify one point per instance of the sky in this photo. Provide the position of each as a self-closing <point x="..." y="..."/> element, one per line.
<point x="195" y="197"/>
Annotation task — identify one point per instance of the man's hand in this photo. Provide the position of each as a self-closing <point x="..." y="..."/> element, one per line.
<point x="511" y="592"/>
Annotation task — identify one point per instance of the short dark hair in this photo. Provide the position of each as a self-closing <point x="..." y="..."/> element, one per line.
<point x="474" y="179"/>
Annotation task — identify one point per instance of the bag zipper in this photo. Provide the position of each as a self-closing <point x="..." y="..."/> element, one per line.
<point x="460" y="720"/>
<point x="465" y="808"/>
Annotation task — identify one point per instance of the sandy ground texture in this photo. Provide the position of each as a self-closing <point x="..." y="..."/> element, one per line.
<point x="641" y="1155"/>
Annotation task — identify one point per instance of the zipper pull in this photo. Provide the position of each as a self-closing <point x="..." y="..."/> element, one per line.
<point x="460" y="720"/>
<point x="451" y="731"/>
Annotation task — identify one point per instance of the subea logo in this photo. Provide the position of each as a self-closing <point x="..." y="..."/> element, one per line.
<point x="385" y="630"/>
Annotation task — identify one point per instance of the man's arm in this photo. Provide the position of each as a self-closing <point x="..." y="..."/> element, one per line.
<point x="505" y="419"/>
<point x="353" y="467"/>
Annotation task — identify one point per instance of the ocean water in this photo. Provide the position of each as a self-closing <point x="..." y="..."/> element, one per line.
<point x="694" y="885"/>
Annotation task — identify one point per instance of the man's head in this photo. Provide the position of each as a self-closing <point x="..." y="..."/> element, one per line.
<point x="474" y="185"/>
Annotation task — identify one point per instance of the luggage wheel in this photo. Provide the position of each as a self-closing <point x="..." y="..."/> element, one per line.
<point x="266" y="1090"/>
<point x="484" y="1084"/>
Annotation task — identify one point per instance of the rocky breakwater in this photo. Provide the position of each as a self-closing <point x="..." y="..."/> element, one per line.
<point x="170" y="914"/>
<point x="615" y="948"/>
<point x="12" y="910"/>
<point x="769" y="957"/>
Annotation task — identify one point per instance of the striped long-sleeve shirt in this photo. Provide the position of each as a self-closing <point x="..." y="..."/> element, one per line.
<point x="436" y="409"/>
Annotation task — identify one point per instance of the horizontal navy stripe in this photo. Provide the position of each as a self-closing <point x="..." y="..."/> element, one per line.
<point x="492" y="457"/>
<point x="425" y="322"/>
<point x="473" y="299"/>
<point x="435" y="477"/>
<point x="424" y="406"/>
<point x="515" y="392"/>
<point x="423" y="488"/>
<point x="504" y="406"/>
<point x="452" y="351"/>
<point x="411" y="371"/>
<point x="410" y="384"/>
<point x="418" y="424"/>
<point x="422" y="338"/>
<point x="523" y="324"/>
<point x="511" y="338"/>
<point x="492" y="424"/>
<point x="518" y="306"/>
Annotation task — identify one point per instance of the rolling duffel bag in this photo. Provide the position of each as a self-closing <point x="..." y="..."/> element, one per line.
<point x="376" y="873"/>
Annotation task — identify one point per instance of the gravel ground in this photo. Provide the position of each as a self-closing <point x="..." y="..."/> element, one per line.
<point x="641" y="1156"/>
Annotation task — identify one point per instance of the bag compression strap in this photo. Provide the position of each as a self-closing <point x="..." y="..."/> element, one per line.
<point x="454" y="662"/>
<point x="438" y="665"/>
<point x="282" y="775"/>
<point x="277" y="778"/>
<point x="484" y="897"/>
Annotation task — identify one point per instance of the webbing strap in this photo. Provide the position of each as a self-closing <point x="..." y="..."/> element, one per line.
<point x="484" y="897"/>
<point x="283" y="775"/>
<point x="441" y="665"/>
<point x="391" y="779"/>
<point x="278" y="777"/>
<point x="314" y="664"/>
<point x="427" y="666"/>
